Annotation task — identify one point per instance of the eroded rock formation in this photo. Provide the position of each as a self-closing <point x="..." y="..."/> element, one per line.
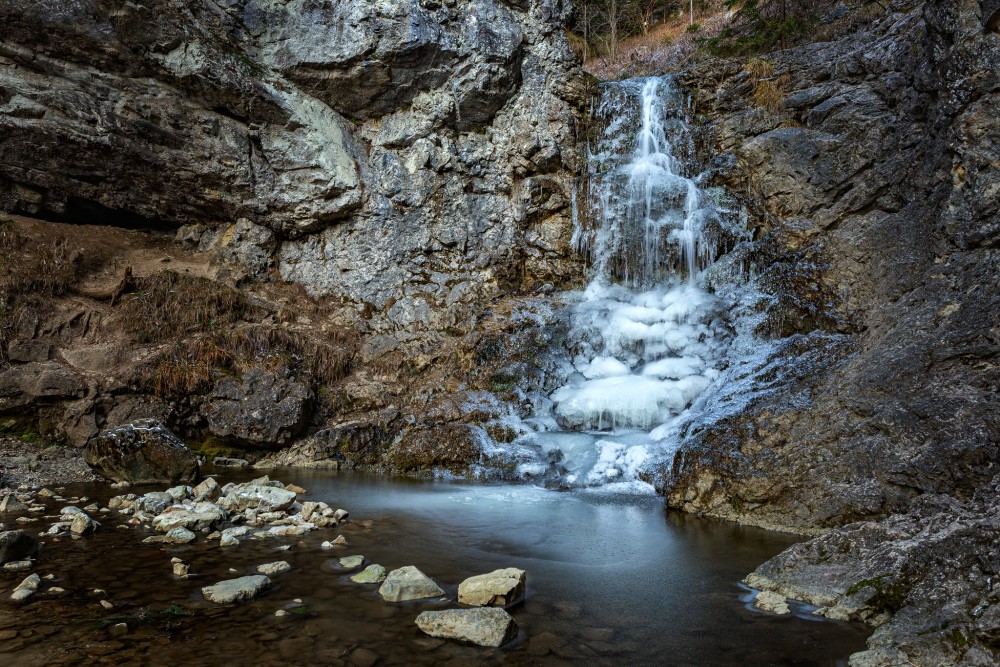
<point x="878" y="221"/>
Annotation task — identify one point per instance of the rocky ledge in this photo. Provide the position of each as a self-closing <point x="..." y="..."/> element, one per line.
<point x="929" y="580"/>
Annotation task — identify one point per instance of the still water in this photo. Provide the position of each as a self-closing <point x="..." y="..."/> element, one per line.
<point x="612" y="580"/>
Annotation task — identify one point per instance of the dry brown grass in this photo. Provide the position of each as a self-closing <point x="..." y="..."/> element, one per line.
<point x="769" y="89"/>
<point x="32" y="273"/>
<point x="169" y="304"/>
<point x="194" y="366"/>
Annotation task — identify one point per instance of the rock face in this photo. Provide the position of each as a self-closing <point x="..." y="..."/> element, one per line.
<point x="483" y="627"/>
<point x="261" y="410"/>
<point x="408" y="583"/>
<point x="142" y="453"/>
<point x="878" y="235"/>
<point x="236" y="590"/>
<point x="383" y="143"/>
<point x="496" y="589"/>
<point x="926" y="578"/>
<point x="16" y="545"/>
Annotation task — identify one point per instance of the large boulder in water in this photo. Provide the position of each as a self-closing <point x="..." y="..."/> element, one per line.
<point x="408" y="583"/>
<point x="496" y="589"/>
<point x="143" y="452"/>
<point x="484" y="627"/>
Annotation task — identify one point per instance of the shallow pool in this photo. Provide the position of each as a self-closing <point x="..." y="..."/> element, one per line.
<point x="611" y="581"/>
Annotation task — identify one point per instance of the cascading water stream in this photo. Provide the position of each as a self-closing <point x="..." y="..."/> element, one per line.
<point x="647" y="338"/>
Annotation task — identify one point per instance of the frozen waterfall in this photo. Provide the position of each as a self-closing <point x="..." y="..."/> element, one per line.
<point x="647" y="334"/>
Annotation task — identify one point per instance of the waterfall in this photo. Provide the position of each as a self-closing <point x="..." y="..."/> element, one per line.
<point x="648" y="336"/>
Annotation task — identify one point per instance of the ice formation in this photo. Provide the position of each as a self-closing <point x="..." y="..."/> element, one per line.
<point x="646" y="331"/>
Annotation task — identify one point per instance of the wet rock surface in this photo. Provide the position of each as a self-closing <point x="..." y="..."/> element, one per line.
<point x="144" y="452"/>
<point x="925" y="579"/>
<point x="236" y="590"/>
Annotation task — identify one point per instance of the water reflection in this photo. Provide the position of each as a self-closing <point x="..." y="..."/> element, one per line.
<point x="611" y="581"/>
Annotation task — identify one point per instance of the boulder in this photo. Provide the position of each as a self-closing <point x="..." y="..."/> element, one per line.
<point x="256" y="496"/>
<point x="17" y="545"/>
<point x="208" y="490"/>
<point x="236" y="590"/>
<point x="483" y="627"/>
<point x="373" y="574"/>
<point x="408" y="583"/>
<point x="143" y="452"/>
<point x="83" y="524"/>
<point x="9" y="503"/>
<point x="496" y="589"/>
<point x="179" y="535"/>
<point x="351" y="562"/>
<point x="260" y="410"/>
<point x="195" y="516"/>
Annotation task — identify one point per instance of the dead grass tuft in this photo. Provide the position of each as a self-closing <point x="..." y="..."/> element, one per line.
<point x="169" y="305"/>
<point x="31" y="275"/>
<point x="194" y="366"/>
<point x="769" y="90"/>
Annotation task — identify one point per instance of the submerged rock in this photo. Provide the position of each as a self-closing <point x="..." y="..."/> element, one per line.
<point x="483" y="627"/>
<point x="373" y="574"/>
<point x="143" y="452"/>
<point x="179" y="535"/>
<point x="277" y="567"/>
<point x="17" y="545"/>
<point x="236" y="590"/>
<point x="408" y="583"/>
<point x="498" y="588"/>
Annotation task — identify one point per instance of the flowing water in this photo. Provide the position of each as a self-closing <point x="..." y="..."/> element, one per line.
<point x="610" y="581"/>
<point x="653" y="331"/>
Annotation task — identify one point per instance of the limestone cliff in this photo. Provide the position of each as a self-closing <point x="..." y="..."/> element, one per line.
<point x="873" y="183"/>
<point x="406" y="155"/>
<point x="410" y="163"/>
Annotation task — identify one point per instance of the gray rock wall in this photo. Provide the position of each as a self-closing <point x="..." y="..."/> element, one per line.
<point x="411" y="157"/>
<point x="879" y="228"/>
